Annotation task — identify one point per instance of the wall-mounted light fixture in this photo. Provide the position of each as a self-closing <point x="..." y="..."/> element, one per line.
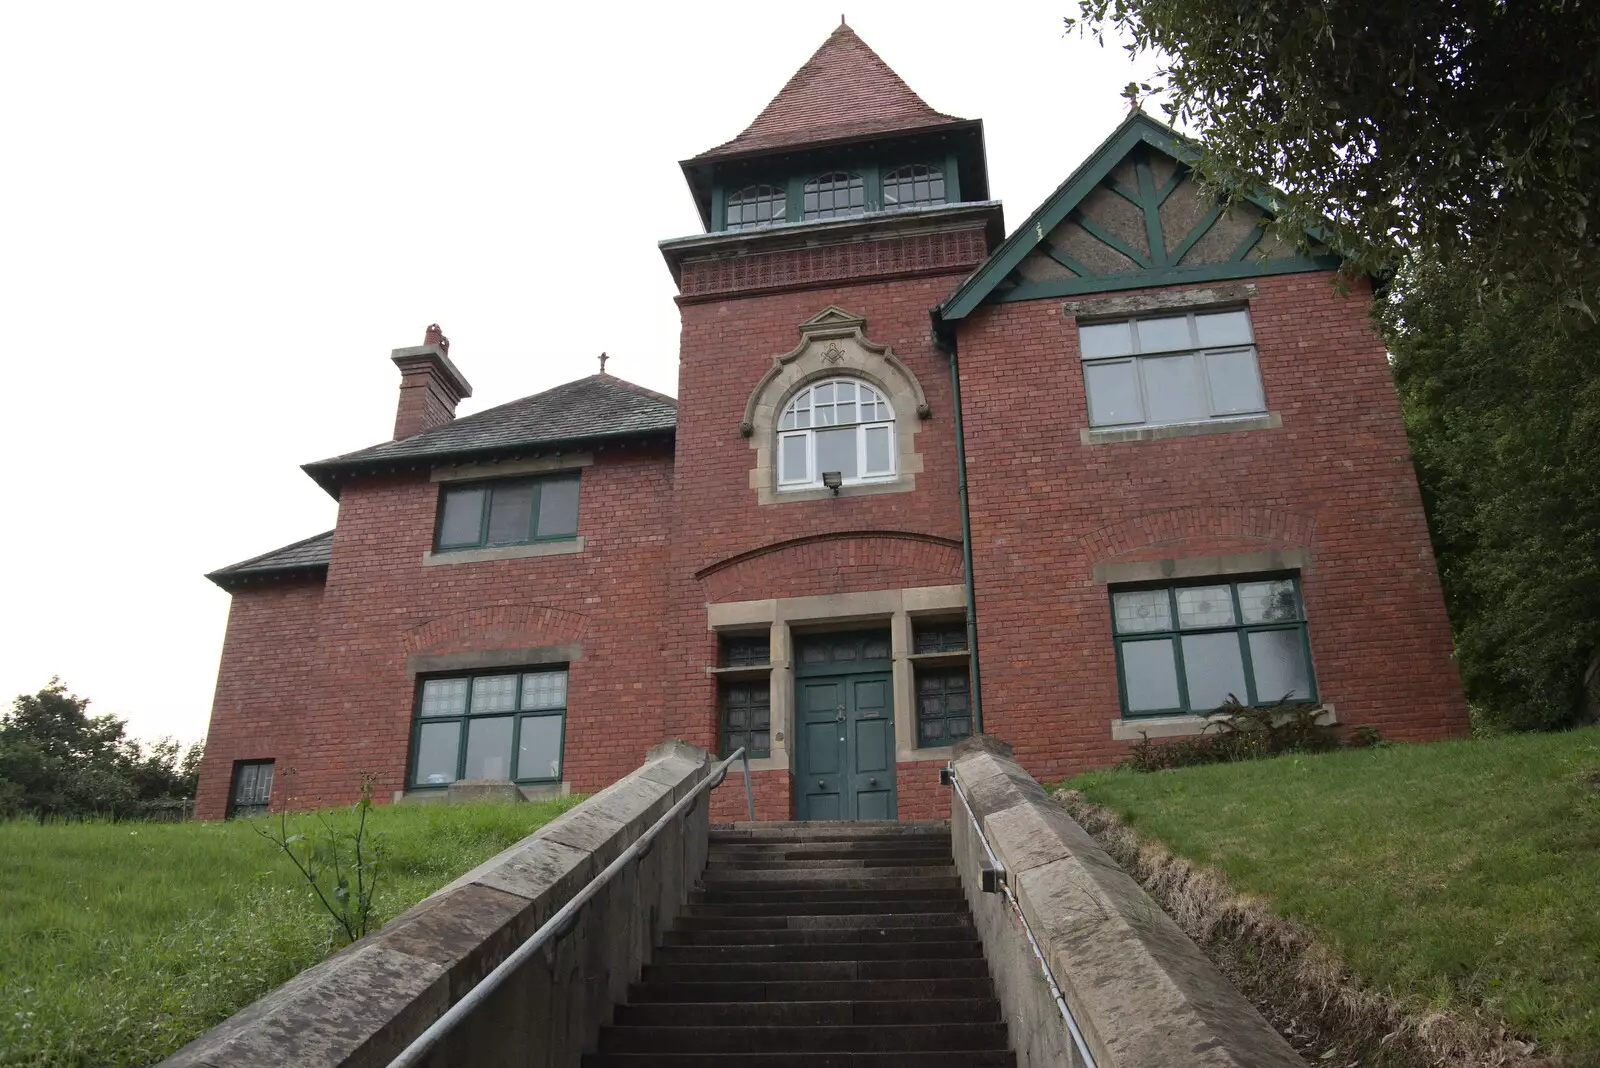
<point x="833" y="480"/>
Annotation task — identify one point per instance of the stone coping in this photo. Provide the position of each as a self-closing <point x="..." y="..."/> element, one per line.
<point x="1141" y="991"/>
<point x="360" y="1007"/>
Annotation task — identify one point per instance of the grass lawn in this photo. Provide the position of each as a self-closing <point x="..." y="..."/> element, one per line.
<point x="1452" y="875"/>
<point x="119" y="942"/>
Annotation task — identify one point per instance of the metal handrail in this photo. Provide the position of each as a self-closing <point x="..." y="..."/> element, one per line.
<point x="559" y="924"/>
<point x="1038" y="955"/>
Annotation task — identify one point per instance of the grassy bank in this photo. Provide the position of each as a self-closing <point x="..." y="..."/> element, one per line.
<point x="122" y="941"/>
<point x="1457" y="876"/>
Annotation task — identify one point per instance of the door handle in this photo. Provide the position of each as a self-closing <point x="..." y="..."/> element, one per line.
<point x="821" y="785"/>
<point x="840" y="717"/>
<point x="872" y="782"/>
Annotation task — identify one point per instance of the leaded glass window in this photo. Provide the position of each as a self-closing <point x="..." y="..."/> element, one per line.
<point x="747" y="717"/>
<point x="756" y="205"/>
<point x="746" y="650"/>
<point x="843" y="425"/>
<point x="252" y="788"/>
<point x="829" y="196"/>
<point x="942" y="636"/>
<point x="914" y="184"/>
<point x="1171" y="369"/>
<point x="1188" y="647"/>
<point x="503" y="726"/>
<point x="944" y="706"/>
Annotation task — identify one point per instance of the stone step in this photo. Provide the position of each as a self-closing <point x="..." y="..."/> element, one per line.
<point x="808" y="1013"/>
<point x="796" y="971"/>
<point x="812" y="831"/>
<point x="834" y="879"/>
<point x="810" y="951"/>
<point x="864" y="863"/>
<point x="797" y="990"/>
<point x="818" y="903"/>
<point x="919" y="1059"/>
<point x="955" y="932"/>
<point x="783" y="921"/>
<point x="888" y="847"/>
<point x="883" y="1038"/>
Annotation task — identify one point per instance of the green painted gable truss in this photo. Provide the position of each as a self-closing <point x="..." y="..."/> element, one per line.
<point x="1131" y="216"/>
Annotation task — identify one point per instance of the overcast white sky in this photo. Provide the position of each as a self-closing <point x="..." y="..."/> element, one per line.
<point x="217" y="220"/>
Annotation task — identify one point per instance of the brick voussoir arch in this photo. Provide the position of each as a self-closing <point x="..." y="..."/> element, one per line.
<point x="497" y="627"/>
<point x="895" y="552"/>
<point x="1198" y="521"/>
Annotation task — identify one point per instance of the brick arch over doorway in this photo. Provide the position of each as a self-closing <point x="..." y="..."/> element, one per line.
<point x="830" y="563"/>
<point x="496" y="627"/>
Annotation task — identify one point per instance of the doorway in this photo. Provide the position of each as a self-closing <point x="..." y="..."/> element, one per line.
<point x="844" y="718"/>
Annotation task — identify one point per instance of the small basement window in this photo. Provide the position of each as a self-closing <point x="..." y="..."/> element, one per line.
<point x="513" y="511"/>
<point x="252" y="788"/>
<point x="506" y="726"/>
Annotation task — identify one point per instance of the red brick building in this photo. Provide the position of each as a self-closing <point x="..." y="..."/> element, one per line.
<point x="1186" y="477"/>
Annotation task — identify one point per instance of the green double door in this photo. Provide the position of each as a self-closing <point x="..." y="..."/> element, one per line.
<point x="844" y="713"/>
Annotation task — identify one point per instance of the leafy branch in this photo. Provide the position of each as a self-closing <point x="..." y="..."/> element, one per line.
<point x="340" y="866"/>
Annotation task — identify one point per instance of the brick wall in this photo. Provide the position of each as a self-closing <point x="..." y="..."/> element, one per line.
<point x="261" y="707"/>
<point x="1336" y="478"/>
<point x="350" y="710"/>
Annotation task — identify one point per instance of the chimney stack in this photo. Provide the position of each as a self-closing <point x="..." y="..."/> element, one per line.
<point x="430" y="385"/>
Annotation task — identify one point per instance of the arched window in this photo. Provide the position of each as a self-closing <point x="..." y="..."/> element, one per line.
<point x="843" y="425"/>
<point x="830" y="195"/>
<point x="755" y="205"/>
<point x="916" y="183"/>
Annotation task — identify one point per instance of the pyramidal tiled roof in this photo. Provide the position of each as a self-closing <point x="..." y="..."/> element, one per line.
<point x="843" y="91"/>
<point x="599" y="406"/>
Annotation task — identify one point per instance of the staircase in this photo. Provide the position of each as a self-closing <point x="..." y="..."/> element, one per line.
<point x="829" y="945"/>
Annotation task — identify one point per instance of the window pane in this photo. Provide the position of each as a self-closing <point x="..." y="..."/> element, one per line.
<point x="494" y="693"/>
<point x="558" y="507"/>
<point x="1273" y="601"/>
<point x="1168" y="334"/>
<point x="436" y="754"/>
<point x="489" y="748"/>
<point x="1150" y="675"/>
<point x="836" y="451"/>
<point x="1235" y="386"/>
<point x="444" y="697"/>
<point x="1172" y="390"/>
<point x="1278" y="658"/>
<point x="1205" y="606"/>
<point x="1223" y="328"/>
<point x="1113" y="393"/>
<point x="511" y="514"/>
<point x="463" y="515"/>
<point x="1139" y="611"/>
<point x="792" y="459"/>
<point x="539" y="748"/>
<point x="546" y="689"/>
<point x="1105" y="339"/>
<point x="1214" y="668"/>
<point x="878" y="451"/>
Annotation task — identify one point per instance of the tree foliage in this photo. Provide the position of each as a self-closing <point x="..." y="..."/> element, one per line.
<point x="1502" y="400"/>
<point x="1471" y="128"/>
<point x="57" y="760"/>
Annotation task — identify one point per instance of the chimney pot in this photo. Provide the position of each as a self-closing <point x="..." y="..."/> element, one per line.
<point x="430" y="385"/>
<point x="435" y="336"/>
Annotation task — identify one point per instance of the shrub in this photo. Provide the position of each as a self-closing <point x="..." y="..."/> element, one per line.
<point x="1242" y="732"/>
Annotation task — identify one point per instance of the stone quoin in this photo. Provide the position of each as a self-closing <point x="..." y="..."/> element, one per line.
<point x="1186" y="477"/>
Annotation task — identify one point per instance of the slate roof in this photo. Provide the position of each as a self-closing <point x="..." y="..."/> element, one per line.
<point x="588" y="409"/>
<point x="844" y="91"/>
<point x="308" y="556"/>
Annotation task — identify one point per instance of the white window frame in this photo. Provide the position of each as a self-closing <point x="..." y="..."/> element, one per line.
<point x="1201" y="353"/>
<point x="811" y="477"/>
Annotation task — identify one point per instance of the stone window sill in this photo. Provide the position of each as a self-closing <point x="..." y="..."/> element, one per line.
<point x="902" y="484"/>
<point x="505" y="552"/>
<point x="1108" y="435"/>
<point x="1129" y="730"/>
<point x="912" y="756"/>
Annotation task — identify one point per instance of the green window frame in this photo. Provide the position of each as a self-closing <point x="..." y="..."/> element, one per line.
<point x="846" y="188"/>
<point x="250" y="793"/>
<point x="944" y="706"/>
<point x="504" y="725"/>
<point x="747" y="716"/>
<point x="508" y="511"/>
<point x="1181" y="648"/>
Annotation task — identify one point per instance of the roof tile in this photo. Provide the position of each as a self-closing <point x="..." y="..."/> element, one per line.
<point x="308" y="554"/>
<point x="843" y="91"/>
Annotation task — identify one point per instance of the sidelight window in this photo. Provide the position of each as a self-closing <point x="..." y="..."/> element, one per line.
<point x="1187" y="648"/>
